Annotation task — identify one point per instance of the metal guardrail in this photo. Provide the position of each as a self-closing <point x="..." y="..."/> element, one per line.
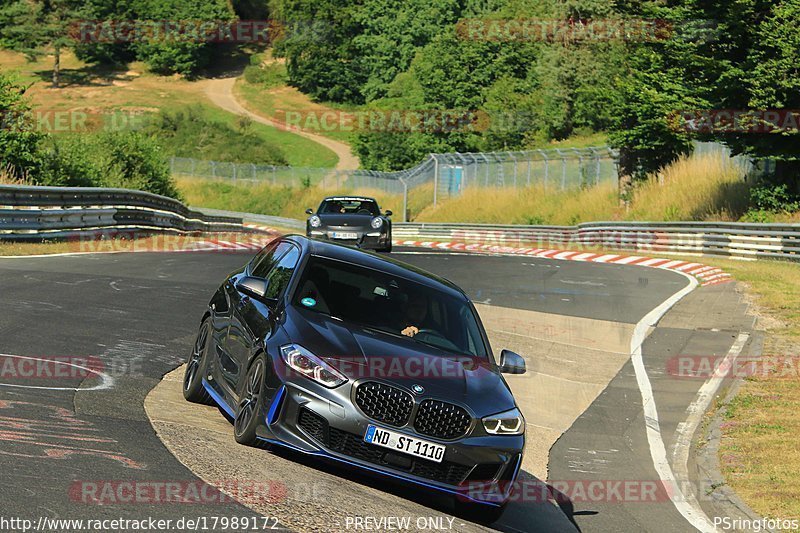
<point x="267" y="220"/>
<point x="730" y="239"/>
<point x="60" y="212"/>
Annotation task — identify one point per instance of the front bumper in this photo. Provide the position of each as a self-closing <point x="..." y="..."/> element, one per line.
<point x="373" y="239"/>
<point x="479" y="469"/>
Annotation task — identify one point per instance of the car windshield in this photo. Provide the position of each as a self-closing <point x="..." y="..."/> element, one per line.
<point x="350" y="206"/>
<point x="390" y="304"/>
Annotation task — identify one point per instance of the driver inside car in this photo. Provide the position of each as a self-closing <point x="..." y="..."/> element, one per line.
<point x="416" y="312"/>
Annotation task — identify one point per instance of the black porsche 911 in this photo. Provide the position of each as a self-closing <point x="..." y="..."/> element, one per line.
<point x="349" y="356"/>
<point x="352" y="220"/>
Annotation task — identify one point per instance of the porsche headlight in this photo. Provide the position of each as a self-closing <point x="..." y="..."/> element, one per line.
<point x="311" y="366"/>
<point x="377" y="222"/>
<point x="314" y="221"/>
<point x="506" y="423"/>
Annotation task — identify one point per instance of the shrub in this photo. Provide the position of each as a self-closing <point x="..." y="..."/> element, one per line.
<point x="20" y="142"/>
<point x="128" y="160"/>
<point x="774" y="199"/>
<point x="189" y="131"/>
<point x="268" y="77"/>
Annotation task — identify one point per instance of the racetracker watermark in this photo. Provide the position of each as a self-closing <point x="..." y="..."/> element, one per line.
<point x="385" y="121"/>
<point x="736" y="121"/>
<point x="709" y="366"/>
<point x="176" y="31"/>
<point x="59" y="367"/>
<point x="577" y="31"/>
<point x="586" y="491"/>
<point x="75" y="120"/>
<point x="406" y="367"/>
<point x="150" y="492"/>
<point x="574" y="240"/>
<point x="112" y="241"/>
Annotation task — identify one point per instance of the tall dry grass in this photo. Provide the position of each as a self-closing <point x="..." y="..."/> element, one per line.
<point x="531" y="205"/>
<point x="693" y="188"/>
<point x="9" y="177"/>
<point x="289" y="202"/>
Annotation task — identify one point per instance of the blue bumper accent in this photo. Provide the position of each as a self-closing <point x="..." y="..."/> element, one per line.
<point x="275" y="407"/>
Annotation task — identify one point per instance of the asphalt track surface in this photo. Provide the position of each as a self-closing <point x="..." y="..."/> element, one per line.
<point x="137" y="314"/>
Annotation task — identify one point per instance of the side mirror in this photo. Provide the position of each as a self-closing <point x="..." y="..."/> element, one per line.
<point x="255" y="288"/>
<point x="511" y="363"/>
<point x="309" y="211"/>
<point x="388" y="213"/>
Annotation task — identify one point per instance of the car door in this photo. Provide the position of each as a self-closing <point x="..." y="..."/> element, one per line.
<point x="253" y="320"/>
<point x="262" y="262"/>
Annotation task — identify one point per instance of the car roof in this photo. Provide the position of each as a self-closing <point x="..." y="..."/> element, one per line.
<point x="349" y="198"/>
<point x="374" y="261"/>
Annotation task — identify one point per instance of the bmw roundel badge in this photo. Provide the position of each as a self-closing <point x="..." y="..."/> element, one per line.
<point x="418" y="389"/>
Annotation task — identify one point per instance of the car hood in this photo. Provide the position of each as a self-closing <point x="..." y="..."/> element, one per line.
<point x="357" y="221"/>
<point x="363" y="354"/>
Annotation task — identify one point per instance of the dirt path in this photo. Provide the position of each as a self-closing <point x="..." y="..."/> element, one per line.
<point x="220" y="92"/>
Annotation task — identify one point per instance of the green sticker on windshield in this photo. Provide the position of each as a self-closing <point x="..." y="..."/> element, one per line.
<point x="308" y="302"/>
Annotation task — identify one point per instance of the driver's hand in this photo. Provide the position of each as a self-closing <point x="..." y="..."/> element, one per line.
<point x="410" y="331"/>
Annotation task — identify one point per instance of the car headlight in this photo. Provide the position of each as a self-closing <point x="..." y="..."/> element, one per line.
<point x="314" y="221"/>
<point x="311" y="366"/>
<point x="506" y="423"/>
<point x="377" y="222"/>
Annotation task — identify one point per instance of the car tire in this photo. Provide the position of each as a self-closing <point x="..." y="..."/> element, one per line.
<point x="196" y="366"/>
<point x="251" y="405"/>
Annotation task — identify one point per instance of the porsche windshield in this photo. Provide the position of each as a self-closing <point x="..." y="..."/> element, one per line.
<point x="349" y="206"/>
<point x="390" y="304"/>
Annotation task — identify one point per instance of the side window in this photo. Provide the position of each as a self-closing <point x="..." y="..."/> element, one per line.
<point x="279" y="276"/>
<point x="262" y="266"/>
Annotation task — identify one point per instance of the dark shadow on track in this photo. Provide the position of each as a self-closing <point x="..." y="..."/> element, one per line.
<point x="531" y="507"/>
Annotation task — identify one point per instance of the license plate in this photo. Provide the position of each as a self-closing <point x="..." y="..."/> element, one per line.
<point x="344" y="235"/>
<point x="405" y="444"/>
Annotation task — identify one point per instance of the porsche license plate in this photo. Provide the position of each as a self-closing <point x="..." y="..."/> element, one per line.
<point x="405" y="444"/>
<point x="344" y="235"/>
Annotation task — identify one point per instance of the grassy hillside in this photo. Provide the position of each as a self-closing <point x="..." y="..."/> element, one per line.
<point x="134" y="90"/>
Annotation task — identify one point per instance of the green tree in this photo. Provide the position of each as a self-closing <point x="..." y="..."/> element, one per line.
<point x="36" y="27"/>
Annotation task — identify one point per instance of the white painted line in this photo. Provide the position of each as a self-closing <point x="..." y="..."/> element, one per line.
<point x="650" y="262"/>
<point x="563" y="255"/>
<point x="106" y="383"/>
<point x="686" y="430"/>
<point x="690" y="510"/>
<point x="626" y="260"/>
<point x="604" y="258"/>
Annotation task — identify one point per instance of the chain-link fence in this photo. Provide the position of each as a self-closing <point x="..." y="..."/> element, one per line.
<point x="753" y="168"/>
<point x="443" y="175"/>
